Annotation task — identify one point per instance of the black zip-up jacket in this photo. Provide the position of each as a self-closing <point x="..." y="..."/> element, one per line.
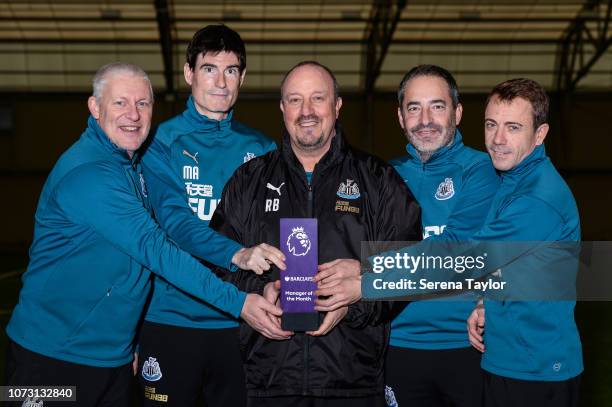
<point x="349" y="360"/>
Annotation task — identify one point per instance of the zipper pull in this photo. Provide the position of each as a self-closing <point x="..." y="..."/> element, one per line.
<point x="310" y="202"/>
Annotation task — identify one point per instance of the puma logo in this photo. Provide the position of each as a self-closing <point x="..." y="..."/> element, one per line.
<point x="193" y="157"/>
<point x="273" y="188"/>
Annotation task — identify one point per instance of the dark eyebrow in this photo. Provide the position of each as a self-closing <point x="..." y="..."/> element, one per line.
<point x="413" y="104"/>
<point x="515" y="123"/>
<point x="438" y="101"/>
<point x="209" y="65"/>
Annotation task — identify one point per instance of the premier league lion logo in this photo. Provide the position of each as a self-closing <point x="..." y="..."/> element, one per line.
<point x="298" y="242"/>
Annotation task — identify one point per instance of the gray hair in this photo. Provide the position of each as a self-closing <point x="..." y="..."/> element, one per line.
<point x="108" y="70"/>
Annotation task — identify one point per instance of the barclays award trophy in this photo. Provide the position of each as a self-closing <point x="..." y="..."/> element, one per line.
<point x="298" y="240"/>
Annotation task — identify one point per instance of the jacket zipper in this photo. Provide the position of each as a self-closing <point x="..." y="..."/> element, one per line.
<point x="306" y="337"/>
<point x="310" y="202"/>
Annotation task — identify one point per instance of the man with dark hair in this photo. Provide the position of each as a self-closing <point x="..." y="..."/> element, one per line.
<point x="342" y="363"/>
<point x="532" y="352"/>
<point x="193" y="345"/>
<point x="454" y="185"/>
<point x="95" y="246"/>
<point x="216" y="38"/>
<point x="430" y="70"/>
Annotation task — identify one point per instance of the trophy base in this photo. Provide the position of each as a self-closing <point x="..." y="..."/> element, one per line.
<point x="300" y="321"/>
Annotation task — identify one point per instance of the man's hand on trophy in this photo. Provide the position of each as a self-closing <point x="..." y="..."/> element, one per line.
<point x="271" y="294"/>
<point x="263" y="316"/>
<point x="259" y="258"/>
<point x="330" y="320"/>
<point x="329" y="273"/>
<point x="338" y="293"/>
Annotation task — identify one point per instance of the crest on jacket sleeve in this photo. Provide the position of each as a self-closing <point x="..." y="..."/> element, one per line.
<point x="446" y="190"/>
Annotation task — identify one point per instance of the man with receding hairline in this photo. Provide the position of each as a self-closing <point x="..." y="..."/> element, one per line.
<point x="341" y="363"/>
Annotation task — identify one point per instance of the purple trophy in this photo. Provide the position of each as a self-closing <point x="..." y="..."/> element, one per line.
<point x="298" y="241"/>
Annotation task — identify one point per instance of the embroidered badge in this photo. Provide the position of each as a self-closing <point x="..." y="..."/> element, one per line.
<point x="151" y="370"/>
<point x="446" y="190"/>
<point x="348" y="190"/>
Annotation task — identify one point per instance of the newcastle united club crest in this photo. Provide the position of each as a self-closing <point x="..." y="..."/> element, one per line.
<point x="151" y="370"/>
<point x="446" y="190"/>
<point x="348" y="190"/>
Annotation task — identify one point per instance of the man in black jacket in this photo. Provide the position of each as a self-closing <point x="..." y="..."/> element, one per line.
<point x="355" y="197"/>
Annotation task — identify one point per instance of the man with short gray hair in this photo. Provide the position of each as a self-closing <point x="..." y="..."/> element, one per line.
<point x="95" y="245"/>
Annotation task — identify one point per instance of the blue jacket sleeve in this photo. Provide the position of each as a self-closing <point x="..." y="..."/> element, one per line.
<point x="398" y="219"/>
<point x="523" y="219"/>
<point x="167" y="195"/>
<point x="114" y="212"/>
<point x="228" y="220"/>
<point x="515" y="232"/>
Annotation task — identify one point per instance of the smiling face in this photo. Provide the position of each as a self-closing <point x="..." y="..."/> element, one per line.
<point x="124" y="110"/>
<point x="427" y="115"/>
<point x="310" y="108"/>
<point x="509" y="132"/>
<point x="215" y="81"/>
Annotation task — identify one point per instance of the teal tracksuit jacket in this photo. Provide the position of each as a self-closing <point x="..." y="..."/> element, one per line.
<point x="532" y="340"/>
<point x="186" y="166"/>
<point x="454" y="189"/>
<point x="95" y="245"/>
<point x="531" y="231"/>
